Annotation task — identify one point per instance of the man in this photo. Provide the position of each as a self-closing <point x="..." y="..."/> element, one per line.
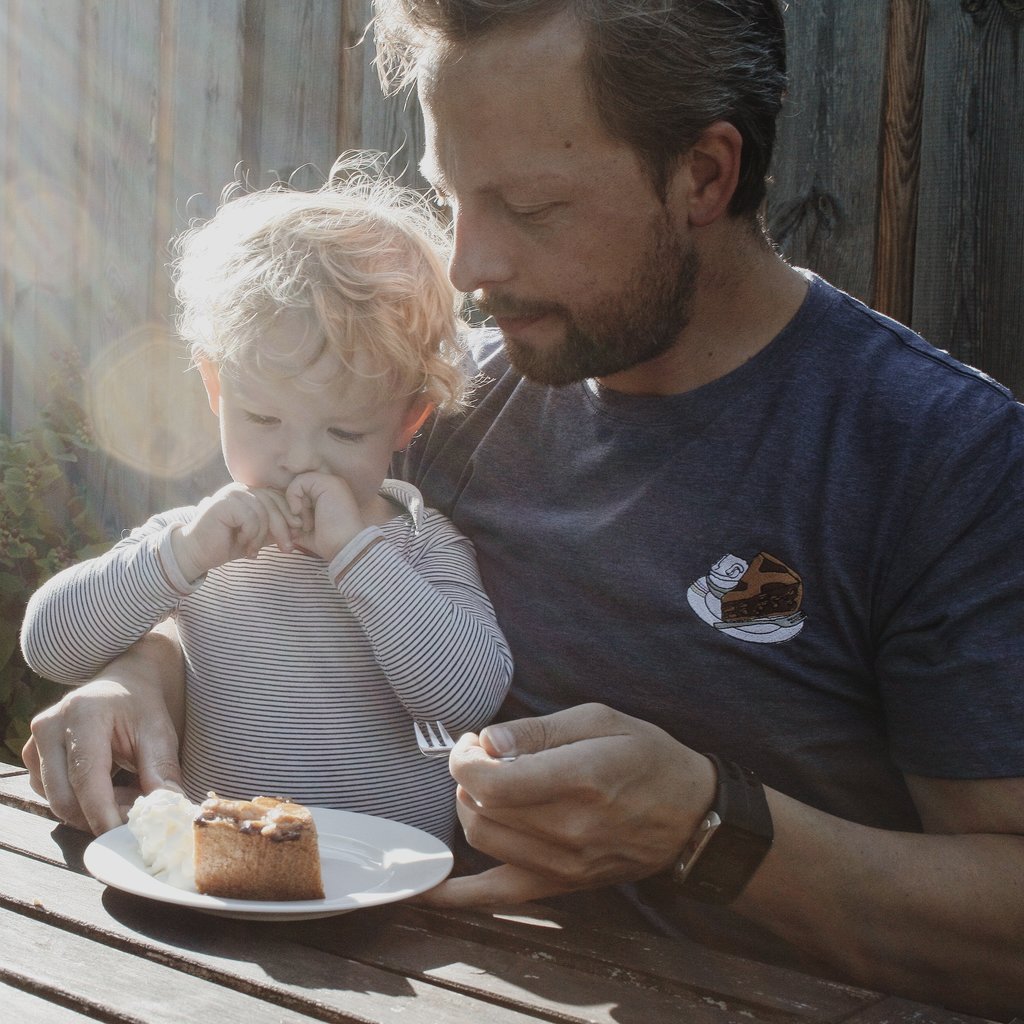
<point x="742" y="512"/>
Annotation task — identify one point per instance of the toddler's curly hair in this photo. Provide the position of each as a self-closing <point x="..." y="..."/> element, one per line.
<point x="364" y="256"/>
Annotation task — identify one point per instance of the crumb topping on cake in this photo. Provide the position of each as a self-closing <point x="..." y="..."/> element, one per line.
<point x="274" y="818"/>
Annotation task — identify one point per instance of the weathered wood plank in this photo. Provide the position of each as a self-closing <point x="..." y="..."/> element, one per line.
<point x="899" y="1011"/>
<point x="206" y="100"/>
<point x="970" y="243"/>
<point x="41" y="837"/>
<point x="352" y="77"/>
<point x="39" y="185"/>
<point x="292" y="95"/>
<point x="16" y="791"/>
<point x="112" y="984"/>
<point x="654" y="978"/>
<point x="22" y="1006"/>
<point x="202" y="89"/>
<point x="822" y="206"/>
<point x="665" y="962"/>
<point x="536" y="977"/>
<point x="391" y="124"/>
<point x="117" y="164"/>
<point x="10" y="55"/>
<point x="901" y="159"/>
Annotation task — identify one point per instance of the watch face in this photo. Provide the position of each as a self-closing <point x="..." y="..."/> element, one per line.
<point x="695" y="846"/>
<point x="724" y="865"/>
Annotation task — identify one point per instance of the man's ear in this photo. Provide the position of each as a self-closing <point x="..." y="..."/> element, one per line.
<point x="211" y="381"/>
<point x="712" y="170"/>
<point x="416" y="415"/>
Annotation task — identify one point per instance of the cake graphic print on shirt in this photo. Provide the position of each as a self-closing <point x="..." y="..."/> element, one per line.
<point x="757" y="601"/>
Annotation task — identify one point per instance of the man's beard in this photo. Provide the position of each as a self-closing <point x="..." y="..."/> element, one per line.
<point x="642" y="320"/>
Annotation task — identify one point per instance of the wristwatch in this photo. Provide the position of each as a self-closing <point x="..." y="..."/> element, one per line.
<point x="731" y="840"/>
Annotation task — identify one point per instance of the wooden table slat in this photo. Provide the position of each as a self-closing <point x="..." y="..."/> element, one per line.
<point x="891" y="1010"/>
<point x="19" y="1005"/>
<point x="16" y="791"/>
<point x="527" y="979"/>
<point x="678" y="961"/>
<point x="95" y="977"/>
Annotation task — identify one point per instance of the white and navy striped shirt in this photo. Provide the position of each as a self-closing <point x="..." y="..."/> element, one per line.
<point x="302" y="678"/>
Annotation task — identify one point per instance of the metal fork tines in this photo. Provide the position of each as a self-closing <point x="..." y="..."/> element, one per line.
<point x="432" y="738"/>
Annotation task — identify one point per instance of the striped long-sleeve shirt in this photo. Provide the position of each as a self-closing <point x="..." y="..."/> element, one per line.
<point x="302" y="678"/>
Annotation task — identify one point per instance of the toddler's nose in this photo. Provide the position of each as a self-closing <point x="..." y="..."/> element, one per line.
<point x="300" y="457"/>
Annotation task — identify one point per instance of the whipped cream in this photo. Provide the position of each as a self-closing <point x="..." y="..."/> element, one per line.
<point x="162" y="825"/>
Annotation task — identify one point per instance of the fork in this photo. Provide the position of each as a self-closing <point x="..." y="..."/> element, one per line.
<point x="433" y="739"/>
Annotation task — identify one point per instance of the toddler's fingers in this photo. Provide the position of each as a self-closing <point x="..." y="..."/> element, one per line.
<point x="253" y="529"/>
<point x="281" y="527"/>
<point x="280" y="520"/>
<point x="301" y="503"/>
<point x="279" y="502"/>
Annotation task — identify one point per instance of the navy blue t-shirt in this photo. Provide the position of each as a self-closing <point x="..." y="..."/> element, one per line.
<point x="813" y="566"/>
<point x="878" y="481"/>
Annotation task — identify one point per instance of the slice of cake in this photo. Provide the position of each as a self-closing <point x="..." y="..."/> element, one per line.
<point x="768" y="589"/>
<point x="261" y="849"/>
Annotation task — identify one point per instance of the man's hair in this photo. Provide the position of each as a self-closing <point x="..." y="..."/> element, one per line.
<point x="364" y="257"/>
<point x="660" y="71"/>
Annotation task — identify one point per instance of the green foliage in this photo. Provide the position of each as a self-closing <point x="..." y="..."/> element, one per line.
<point x="45" y="525"/>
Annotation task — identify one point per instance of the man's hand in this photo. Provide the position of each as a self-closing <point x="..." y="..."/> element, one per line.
<point x="126" y="718"/>
<point x="593" y="797"/>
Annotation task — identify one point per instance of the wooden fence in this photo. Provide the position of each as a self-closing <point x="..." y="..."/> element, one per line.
<point x="899" y="177"/>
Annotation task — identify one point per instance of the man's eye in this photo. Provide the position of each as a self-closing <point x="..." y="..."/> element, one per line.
<point x="263" y="421"/>
<point x="531" y="212"/>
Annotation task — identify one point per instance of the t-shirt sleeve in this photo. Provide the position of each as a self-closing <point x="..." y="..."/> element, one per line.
<point x="951" y="651"/>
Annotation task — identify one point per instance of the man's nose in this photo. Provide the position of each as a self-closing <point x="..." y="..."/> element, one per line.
<point x="480" y="256"/>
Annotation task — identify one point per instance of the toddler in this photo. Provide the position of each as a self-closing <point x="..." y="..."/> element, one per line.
<point x="321" y="607"/>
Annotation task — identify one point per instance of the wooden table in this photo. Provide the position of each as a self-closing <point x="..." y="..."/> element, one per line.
<point x="74" y="950"/>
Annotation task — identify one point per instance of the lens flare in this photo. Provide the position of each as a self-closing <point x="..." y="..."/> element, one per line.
<point x="147" y="408"/>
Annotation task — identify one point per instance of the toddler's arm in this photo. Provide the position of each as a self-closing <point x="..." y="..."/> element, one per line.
<point x="430" y="622"/>
<point x="91" y="612"/>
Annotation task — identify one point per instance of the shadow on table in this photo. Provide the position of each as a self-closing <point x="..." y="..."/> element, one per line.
<point x="257" y="952"/>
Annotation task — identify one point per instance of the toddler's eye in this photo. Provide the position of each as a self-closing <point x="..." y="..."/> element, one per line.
<point x="344" y="435"/>
<point x="263" y="421"/>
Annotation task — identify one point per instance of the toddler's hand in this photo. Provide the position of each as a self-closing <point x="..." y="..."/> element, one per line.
<point x="330" y="514"/>
<point x="233" y="523"/>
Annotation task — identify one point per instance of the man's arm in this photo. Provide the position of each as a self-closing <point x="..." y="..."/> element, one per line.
<point x="596" y="797"/>
<point x="130" y="716"/>
<point x="937" y="916"/>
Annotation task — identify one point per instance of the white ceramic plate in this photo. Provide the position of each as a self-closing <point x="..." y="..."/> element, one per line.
<point x="364" y="861"/>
